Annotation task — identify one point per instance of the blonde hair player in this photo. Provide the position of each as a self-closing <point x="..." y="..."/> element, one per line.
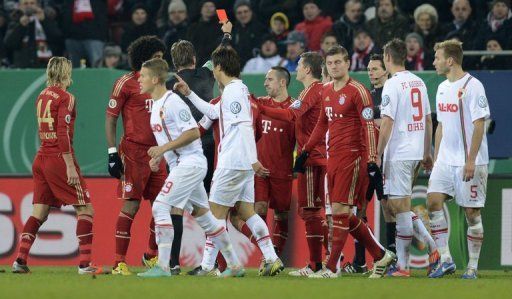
<point x="461" y="156"/>
<point x="56" y="175"/>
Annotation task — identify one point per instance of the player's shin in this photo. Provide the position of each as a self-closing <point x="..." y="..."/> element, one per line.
<point x="404" y="234"/>
<point x="340" y="233"/>
<point x="314" y="236"/>
<point x="215" y="230"/>
<point x="360" y="231"/>
<point x="422" y="232"/>
<point x="152" y="245"/>
<point x="260" y="231"/>
<point x="85" y="235"/>
<point x="439" y="228"/>
<point x="475" y="239"/>
<point x="280" y="231"/>
<point x="123" y="235"/>
<point x="164" y="232"/>
<point x="177" y="222"/>
<point x="28" y="237"/>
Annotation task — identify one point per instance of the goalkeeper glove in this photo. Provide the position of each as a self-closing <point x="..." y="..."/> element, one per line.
<point x="115" y="165"/>
<point x="300" y="161"/>
<point x="376" y="181"/>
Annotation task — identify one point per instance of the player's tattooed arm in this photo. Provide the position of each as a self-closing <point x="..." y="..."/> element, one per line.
<point x="476" y="141"/>
<point x="185" y="138"/>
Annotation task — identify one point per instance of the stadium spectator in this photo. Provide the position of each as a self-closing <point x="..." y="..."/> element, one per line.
<point x="314" y="24"/>
<point x="247" y="31"/>
<point x="266" y="59"/>
<point x="352" y="20"/>
<point x="289" y="7"/>
<point x="497" y="24"/>
<point x="426" y="24"/>
<point x="494" y="62"/>
<point x="462" y="25"/>
<point x="387" y="24"/>
<point x="32" y="37"/>
<point x="84" y="23"/>
<point x="205" y="34"/>
<point x="363" y="49"/>
<point x="139" y="25"/>
<point x="329" y="40"/>
<point x="175" y="28"/>
<point x="279" y="26"/>
<point x="3" y="30"/>
<point x="416" y="58"/>
<point x="112" y="58"/>
<point x="296" y="44"/>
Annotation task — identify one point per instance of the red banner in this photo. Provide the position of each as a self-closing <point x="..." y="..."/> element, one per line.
<point x="56" y="243"/>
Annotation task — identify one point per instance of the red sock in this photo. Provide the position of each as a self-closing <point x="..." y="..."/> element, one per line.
<point x="325" y="230"/>
<point x="246" y="231"/>
<point x="360" y="231"/>
<point x="28" y="237"/>
<point x="152" y="246"/>
<point x="123" y="228"/>
<point x="221" y="262"/>
<point x="314" y="236"/>
<point x="340" y="234"/>
<point x="84" y="235"/>
<point x="280" y="234"/>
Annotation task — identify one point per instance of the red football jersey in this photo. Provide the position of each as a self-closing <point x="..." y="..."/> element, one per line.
<point x="277" y="142"/>
<point x="56" y="120"/>
<point x="205" y="124"/>
<point x="346" y="114"/>
<point x="135" y="108"/>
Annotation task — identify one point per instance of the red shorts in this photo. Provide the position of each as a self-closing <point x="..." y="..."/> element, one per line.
<point x="274" y="191"/>
<point x="50" y="182"/>
<point x="347" y="179"/>
<point x="139" y="181"/>
<point x="310" y="187"/>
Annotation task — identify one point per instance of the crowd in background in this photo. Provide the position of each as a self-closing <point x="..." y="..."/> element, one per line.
<point x="266" y="33"/>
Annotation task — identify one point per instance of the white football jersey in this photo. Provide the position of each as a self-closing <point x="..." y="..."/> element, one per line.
<point x="170" y="117"/>
<point x="457" y="134"/>
<point x="405" y="100"/>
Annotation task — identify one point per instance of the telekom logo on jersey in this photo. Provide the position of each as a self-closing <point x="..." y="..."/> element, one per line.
<point x="156" y="128"/>
<point x="448" y="107"/>
<point x="329" y="114"/>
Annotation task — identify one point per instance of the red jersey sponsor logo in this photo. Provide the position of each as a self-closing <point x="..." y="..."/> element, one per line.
<point x="448" y="107"/>
<point x="157" y="128"/>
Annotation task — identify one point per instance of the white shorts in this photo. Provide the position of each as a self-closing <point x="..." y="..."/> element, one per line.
<point x="399" y="177"/>
<point x="184" y="188"/>
<point x="328" y="208"/>
<point x="230" y="186"/>
<point x="449" y="180"/>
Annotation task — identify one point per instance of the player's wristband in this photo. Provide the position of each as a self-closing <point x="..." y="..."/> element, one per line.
<point x="112" y="150"/>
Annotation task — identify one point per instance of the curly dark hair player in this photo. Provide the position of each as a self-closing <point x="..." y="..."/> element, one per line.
<point x="131" y="163"/>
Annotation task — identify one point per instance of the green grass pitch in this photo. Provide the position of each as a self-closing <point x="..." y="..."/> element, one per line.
<point x="64" y="282"/>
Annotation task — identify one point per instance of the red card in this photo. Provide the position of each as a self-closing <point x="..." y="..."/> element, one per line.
<point x="223" y="17"/>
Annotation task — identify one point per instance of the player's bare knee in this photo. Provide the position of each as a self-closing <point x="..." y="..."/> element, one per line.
<point x="85" y="210"/>
<point x="130" y="207"/>
<point x="281" y="215"/>
<point x="338" y="209"/>
<point x="261" y="208"/>
<point x="177" y="211"/>
<point x="40" y="212"/>
<point x="472" y="216"/>
<point x="434" y="202"/>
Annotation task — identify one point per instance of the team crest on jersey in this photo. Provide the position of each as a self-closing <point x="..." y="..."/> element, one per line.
<point x="112" y="103"/>
<point x="67" y="118"/>
<point x="184" y="115"/>
<point x="128" y="187"/>
<point x="235" y="107"/>
<point x="461" y="93"/>
<point x="341" y="100"/>
<point x="162" y="113"/>
<point x="385" y="101"/>
<point x="296" y="104"/>
<point x="367" y="113"/>
<point x="482" y="101"/>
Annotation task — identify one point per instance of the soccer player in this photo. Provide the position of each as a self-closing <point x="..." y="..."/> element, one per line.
<point x="275" y="152"/>
<point x="311" y="199"/>
<point x="347" y="111"/>
<point x="57" y="178"/>
<point x="461" y="156"/>
<point x="233" y="180"/>
<point x="178" y="141"/>
<point x="404" y="142"/>
<point x="130" y="164"/>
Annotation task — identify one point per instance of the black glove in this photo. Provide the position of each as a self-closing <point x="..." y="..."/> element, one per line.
<point x="115" y="165"/>
<point x="300" y="161"/>
<point x="376" y="181"/>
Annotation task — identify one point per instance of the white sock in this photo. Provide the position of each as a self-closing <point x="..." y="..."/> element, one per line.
<point x="404" y="233"/>
<point x="260" y="232"/>
<point x="421" y="231"/>
<point x="439" y="228"/>
<point x="216" y="232"/>
<point x="209" y="255"/>
<point x="475" y="240"/>
<point x="164" y="232"/>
